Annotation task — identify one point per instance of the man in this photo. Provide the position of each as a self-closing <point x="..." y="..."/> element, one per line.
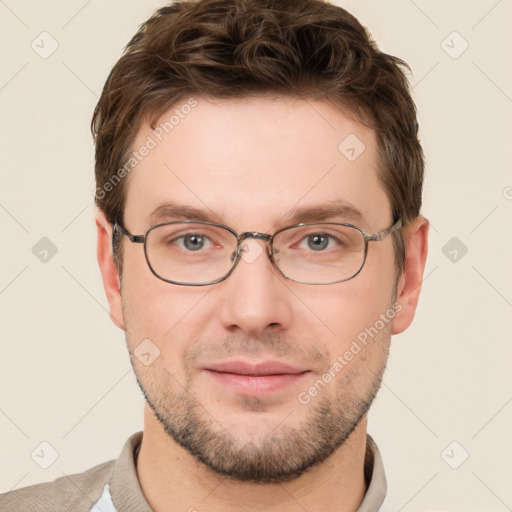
<point x="259" y="186"/>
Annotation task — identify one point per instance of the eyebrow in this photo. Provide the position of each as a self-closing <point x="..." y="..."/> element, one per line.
<point x="174" y="211"/>
<point x="336" y="209"/>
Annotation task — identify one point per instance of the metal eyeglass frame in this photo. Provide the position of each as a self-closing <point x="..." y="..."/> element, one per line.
<point x="141" y="239"/>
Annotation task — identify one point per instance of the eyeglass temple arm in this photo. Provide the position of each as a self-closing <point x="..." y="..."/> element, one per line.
<point x="380" y="235"/>
<point x="138" y="239"/>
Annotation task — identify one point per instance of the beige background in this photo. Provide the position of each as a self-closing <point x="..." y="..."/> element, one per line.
<point x="65" y="376"/>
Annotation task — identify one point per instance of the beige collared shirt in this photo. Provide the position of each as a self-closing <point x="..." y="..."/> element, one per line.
<point x="114" y="487"/>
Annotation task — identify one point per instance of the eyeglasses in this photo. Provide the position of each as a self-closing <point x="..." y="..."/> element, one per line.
<point x="199" y="253"/>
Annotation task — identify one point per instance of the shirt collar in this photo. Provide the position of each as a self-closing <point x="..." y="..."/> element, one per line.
<point x="124" y="484"/>
<point x="375" y="478"/>
<point x="127" y="494"/>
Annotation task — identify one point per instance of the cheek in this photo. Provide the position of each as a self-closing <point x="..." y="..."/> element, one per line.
<point x="168" y="315"/>
<point x="154" y="306"/>
<point x="347" y="312"/>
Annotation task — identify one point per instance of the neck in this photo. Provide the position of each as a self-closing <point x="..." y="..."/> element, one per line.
<point x="173" y="480"/>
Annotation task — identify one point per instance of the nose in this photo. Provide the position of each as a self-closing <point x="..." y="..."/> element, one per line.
<point x="254" y="299"/>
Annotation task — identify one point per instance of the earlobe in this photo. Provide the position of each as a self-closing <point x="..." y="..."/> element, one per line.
<point x="109" y="272"/>
<point x="409" y="283"/>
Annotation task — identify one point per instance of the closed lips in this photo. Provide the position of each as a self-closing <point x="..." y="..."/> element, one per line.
<point x="256" y="370"/>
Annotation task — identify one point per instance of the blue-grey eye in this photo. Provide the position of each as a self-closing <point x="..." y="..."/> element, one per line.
<point x="193" y="242"/>
<point x="318" y="242"/>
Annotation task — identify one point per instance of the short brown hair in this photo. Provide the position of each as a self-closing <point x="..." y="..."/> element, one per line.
<point x="239" y="48"/>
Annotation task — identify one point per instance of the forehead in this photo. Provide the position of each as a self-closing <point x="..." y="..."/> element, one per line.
<point x="252" y="162"/>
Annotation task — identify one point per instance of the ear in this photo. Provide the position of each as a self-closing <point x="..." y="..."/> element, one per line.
<point x="409" y="284"/>
<point x="109" y="273"/>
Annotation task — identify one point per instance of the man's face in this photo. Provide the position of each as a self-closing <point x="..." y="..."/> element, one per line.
<point x="251" y="164"/>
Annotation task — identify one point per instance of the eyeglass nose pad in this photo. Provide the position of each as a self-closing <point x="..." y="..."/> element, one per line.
<point x="274" y="254"/>
<point x="237" y="252"/>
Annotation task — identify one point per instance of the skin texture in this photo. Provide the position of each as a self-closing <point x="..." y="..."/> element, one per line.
<point x="248" y="164"/>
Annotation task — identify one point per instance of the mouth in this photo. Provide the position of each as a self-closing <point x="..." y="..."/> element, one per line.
<point x="255" y="379"/>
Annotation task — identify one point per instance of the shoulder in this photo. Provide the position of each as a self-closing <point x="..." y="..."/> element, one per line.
<point x="70" y="492"/>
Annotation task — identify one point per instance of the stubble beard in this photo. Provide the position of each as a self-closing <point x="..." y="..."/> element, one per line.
<point x="286" y="451"/>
